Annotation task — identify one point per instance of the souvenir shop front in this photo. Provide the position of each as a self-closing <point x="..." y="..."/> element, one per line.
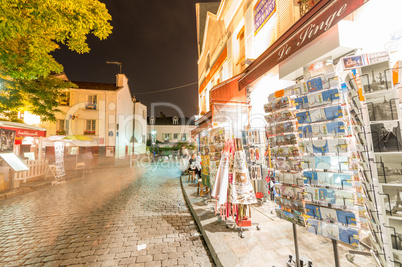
<point x="326" y="99"/>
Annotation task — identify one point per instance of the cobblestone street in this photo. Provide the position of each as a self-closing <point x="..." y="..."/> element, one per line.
<point x="103" y="220"/>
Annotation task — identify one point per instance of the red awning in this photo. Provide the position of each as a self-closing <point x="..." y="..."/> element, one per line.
<point x="26" y="132"/>
<point x="228" y="91"/>
<point x="203" y="123"/>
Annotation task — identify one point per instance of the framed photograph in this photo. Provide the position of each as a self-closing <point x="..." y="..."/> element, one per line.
<point x="394" y="206"/>
<point x="382" y="108"/>
<point x="386" y="136"/>
<point x="389" y="168"/>
<point x="376" y="77"/>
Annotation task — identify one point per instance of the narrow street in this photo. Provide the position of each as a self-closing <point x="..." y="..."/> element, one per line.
<point x="115" y="216"/>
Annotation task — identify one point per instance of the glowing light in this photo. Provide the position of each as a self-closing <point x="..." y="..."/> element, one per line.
<point x="31" y="119"/>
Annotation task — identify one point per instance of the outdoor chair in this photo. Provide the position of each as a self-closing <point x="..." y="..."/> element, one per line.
<point x="79" y="166"/>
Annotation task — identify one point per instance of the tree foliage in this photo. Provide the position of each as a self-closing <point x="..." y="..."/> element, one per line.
<point x="29" y="31"/>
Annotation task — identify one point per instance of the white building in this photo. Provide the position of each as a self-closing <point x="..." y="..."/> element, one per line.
<point x="104" y="112"/>
<point x="170" y="129"/>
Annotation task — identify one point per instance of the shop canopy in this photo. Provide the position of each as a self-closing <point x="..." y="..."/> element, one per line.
<point x="23" y="130"/>
<point x="15" y="162"/>
<point x="228" y="91"/>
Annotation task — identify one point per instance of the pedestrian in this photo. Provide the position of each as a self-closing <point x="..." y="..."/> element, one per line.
<point x="89" y="158"/>
<point x="193" y="165"/>
<point x="199" y="166"/>
<point x="184" y="151"/>
<point x="183" y="163"/>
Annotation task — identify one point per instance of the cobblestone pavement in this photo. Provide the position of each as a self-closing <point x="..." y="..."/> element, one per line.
<point x="101" y="221"/>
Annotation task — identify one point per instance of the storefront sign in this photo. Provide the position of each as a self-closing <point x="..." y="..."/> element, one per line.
<point x="300" y="36"/>
<point x="27" y="132"/>
<point x="263" y="11"/>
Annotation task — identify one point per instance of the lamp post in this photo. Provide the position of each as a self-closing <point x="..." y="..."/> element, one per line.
<point x="153" y="133"/>
<point x="132" y="153"/>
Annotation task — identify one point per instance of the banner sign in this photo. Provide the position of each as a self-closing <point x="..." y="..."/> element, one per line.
<point x="59" y="157"/>
<point x="263" y="11"/>
<point x="7" y="138"/>
<point x="27" y="132"/>
<point x="312" y="28"/>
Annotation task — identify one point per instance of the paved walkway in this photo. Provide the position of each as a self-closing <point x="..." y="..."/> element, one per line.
<point x="269" y="246"/>
<point x="116" y="216"/>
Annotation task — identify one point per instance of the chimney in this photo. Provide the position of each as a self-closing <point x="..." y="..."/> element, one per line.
<point x="121" y="80"/>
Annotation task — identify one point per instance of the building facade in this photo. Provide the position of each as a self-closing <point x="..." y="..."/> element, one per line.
<point x="250" y="50"/>
<point x="170" y="129"/>
<point x="104" y="112"/>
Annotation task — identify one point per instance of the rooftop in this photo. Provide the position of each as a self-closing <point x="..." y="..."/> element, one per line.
<point x="96" y="86"/>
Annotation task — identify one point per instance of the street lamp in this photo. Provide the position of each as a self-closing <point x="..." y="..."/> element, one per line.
<point x="153" y="133"/>
<point x="132" y="153"/>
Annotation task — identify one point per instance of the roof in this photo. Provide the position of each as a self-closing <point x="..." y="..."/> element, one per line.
<point x="96" y="86"/>
<point x="169" y="121"/>
<point x="20" y="125"/>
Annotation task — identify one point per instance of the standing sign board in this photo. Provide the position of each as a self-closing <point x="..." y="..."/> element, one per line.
<point x="59" y="158"/>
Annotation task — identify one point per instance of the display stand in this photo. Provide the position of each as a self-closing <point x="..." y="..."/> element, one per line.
<point x="336" y="254"/>
<point x="296" y="244"/>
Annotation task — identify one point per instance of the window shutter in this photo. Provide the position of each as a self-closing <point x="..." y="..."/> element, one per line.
<point x="229" y="57"/>
<point x="285" y="11"/>
<point x="249" y="32"/>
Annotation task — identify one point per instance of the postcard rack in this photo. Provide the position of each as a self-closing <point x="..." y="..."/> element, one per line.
<point x="380" y="113"/>
<point x="284" y="160"/>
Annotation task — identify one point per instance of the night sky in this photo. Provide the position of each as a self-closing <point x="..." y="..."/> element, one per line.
<point x="156" y="40"/>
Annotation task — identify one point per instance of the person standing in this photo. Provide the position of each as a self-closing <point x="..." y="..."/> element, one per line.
<point x="184" y="151"/>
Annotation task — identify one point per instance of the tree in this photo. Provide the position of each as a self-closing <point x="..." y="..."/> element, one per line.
<point x="29" y="31"/>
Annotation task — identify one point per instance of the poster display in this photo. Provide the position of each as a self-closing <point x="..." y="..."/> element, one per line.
<point x="7" y="139"/>
<point x="314" y="154"/>
<point x="59" y="158"/>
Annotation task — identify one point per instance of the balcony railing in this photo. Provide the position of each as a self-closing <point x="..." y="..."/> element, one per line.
<point x="90" y="106"/>
<point x="306" y="5"/>
<point x="86" y="132"/>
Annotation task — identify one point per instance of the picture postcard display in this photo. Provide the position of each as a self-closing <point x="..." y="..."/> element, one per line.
<point x="380" y="137"/>
<point x="283" y="152"/>
<point x="315" y="156"/>
<point x="382" y="102"/>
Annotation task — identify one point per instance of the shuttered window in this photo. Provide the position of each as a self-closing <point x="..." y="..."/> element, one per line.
<point x="285" y="11"/>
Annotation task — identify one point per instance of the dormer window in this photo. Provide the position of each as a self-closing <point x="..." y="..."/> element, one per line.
<point x="152" y="120"/>
<point x="175" y="120"/>
<point x="92" y="101"/>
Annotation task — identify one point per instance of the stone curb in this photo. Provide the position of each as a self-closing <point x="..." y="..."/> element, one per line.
<point x="197" y="220"/>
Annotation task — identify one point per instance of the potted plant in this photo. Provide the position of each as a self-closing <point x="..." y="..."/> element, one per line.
<point x="86" y="132"/>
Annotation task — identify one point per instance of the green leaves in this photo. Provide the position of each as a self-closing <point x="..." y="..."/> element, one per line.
<point x="29" y="31"/>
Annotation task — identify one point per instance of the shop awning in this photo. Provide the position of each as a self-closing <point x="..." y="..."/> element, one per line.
<point x="228" y="91"/>
<point x="23" y="129"/>
<point x="323" y="16"/>
<point x="15" y="162"/>
<point x="202" y="124"/>
<point x="201" y="128"/>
